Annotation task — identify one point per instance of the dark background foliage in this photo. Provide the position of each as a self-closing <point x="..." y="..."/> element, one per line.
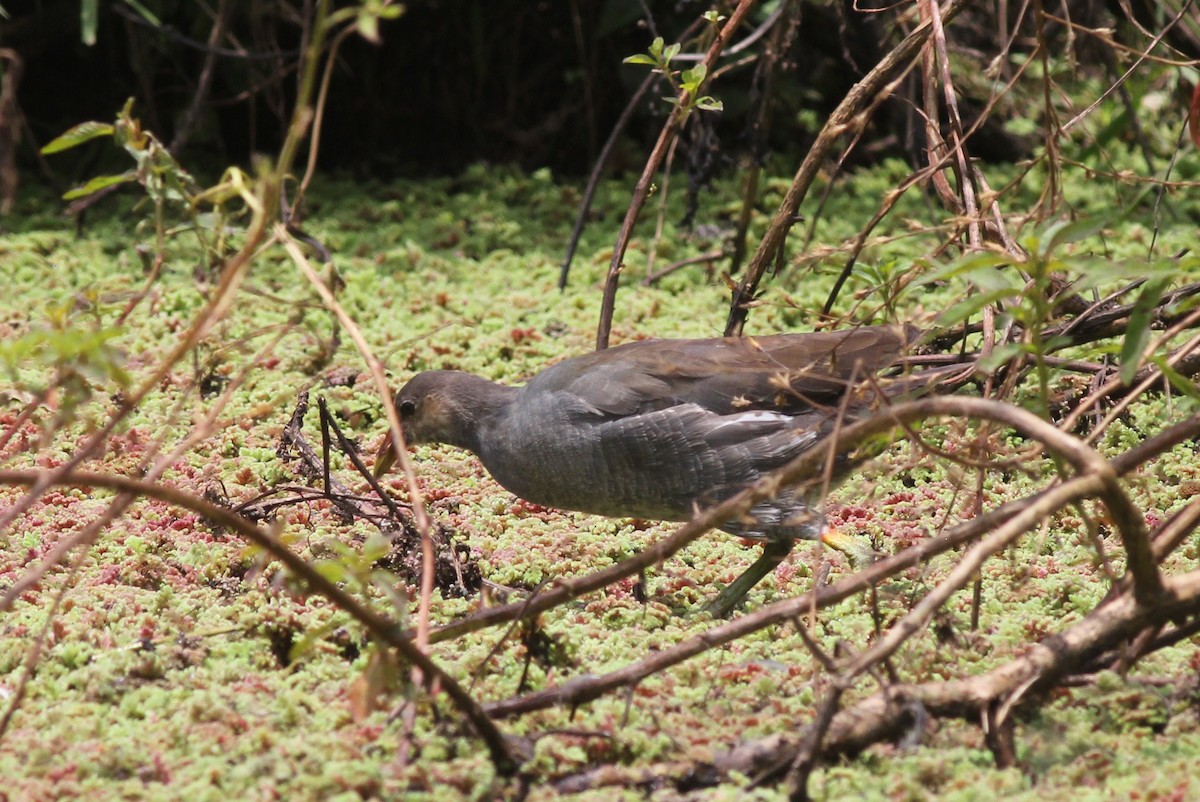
<point x="456" y="81"/>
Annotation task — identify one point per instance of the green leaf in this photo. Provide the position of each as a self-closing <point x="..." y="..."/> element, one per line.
<point x="387" y="584"/>
<point x="640" y="58"/>
<point x="376" y="547"/>
<point x="671" y="52"/>
<point x="144" y="12"/>
<point x="1056" y="343"/>
<point x="77" y="136"/>
<point x="307" y="642"/>
<point x="333" y="570"/>
<point x="1001" y="355"/>
<point x="969" y="265"/>
<point x="1138" y="332"/>
<point x="656" y="48"/>
<point x="968" y="307"/>
<point x="1063" y="232"/>
<point x="1180" y="382"/>
<point x="708" y="103"/>
<point x="694" y="77"/>
<point x="1101" y="272"/>
<point x="98" y="183"/>
<point x="89" y="21"/>
<point x="368" y="27"/>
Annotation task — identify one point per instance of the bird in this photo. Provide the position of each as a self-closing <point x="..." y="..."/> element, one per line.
<point x="659" y="428"/>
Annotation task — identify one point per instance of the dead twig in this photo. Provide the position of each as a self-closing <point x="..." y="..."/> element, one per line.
<point x="385" y="630"/>
<point x="1094" y="481"/>
<point x="642" y="190"/>
<point x="842" y="119"/>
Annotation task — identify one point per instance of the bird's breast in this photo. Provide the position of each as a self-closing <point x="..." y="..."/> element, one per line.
<point x="660" y="464"/>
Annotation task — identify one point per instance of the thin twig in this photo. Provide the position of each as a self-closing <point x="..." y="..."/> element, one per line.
<point x="382" y="628"/>
<point x="642" y="189"/>
<point x="841" y="118"/>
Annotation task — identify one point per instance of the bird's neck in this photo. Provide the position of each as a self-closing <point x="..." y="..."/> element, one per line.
<point x="480" y="404"/>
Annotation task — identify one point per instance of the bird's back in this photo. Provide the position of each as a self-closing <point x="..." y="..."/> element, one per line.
<point x="783" y="372"/>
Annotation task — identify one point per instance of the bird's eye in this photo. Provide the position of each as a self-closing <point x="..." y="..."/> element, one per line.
<point x="407" y="408"/>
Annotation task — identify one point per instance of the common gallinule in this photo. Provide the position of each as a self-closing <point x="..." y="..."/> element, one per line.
<point x="655" y="429"/>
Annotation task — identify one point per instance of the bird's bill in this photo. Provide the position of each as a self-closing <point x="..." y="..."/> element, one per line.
<point x="385" y="456"/>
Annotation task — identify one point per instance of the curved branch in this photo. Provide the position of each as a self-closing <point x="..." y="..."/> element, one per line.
<point x="1131" y="526"/>
<point x="233" y="271"/>
<point x="804" y="467"/>
<point x="843" y="118"/>
<point x="587" y="688"/>
<point x="884" y="714"/>
<point x="379" y="626"/>
<point x="746" y="42"/>
<point x="1014" y="516"/>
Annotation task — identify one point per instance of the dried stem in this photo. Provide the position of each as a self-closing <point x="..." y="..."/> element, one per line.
<point x="842" y="119"/>
<point x="642" y="189"/>
<point x="382" y="628"/>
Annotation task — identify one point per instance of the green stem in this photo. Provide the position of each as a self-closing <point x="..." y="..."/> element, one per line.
<point x="302" y="114"/>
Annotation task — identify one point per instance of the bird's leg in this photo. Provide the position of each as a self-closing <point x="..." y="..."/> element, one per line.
<point x="727" y="600"/>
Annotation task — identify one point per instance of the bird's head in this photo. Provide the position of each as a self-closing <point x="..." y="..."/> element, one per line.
<point x="440" y="406"/>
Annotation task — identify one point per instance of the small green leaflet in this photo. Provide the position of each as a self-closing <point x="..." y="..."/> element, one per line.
<point x="77" y="136"/>
<point x="1138" y="333"/>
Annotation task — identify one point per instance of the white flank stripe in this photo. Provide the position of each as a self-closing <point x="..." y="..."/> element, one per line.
<point x="744" y="418"/>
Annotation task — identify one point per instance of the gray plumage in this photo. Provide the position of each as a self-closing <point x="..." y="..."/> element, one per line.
<point x="657" y="428"/>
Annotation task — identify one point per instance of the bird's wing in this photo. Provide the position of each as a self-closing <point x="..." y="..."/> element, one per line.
<point x="670" y="459"/>
<point x="786" y="372"/>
